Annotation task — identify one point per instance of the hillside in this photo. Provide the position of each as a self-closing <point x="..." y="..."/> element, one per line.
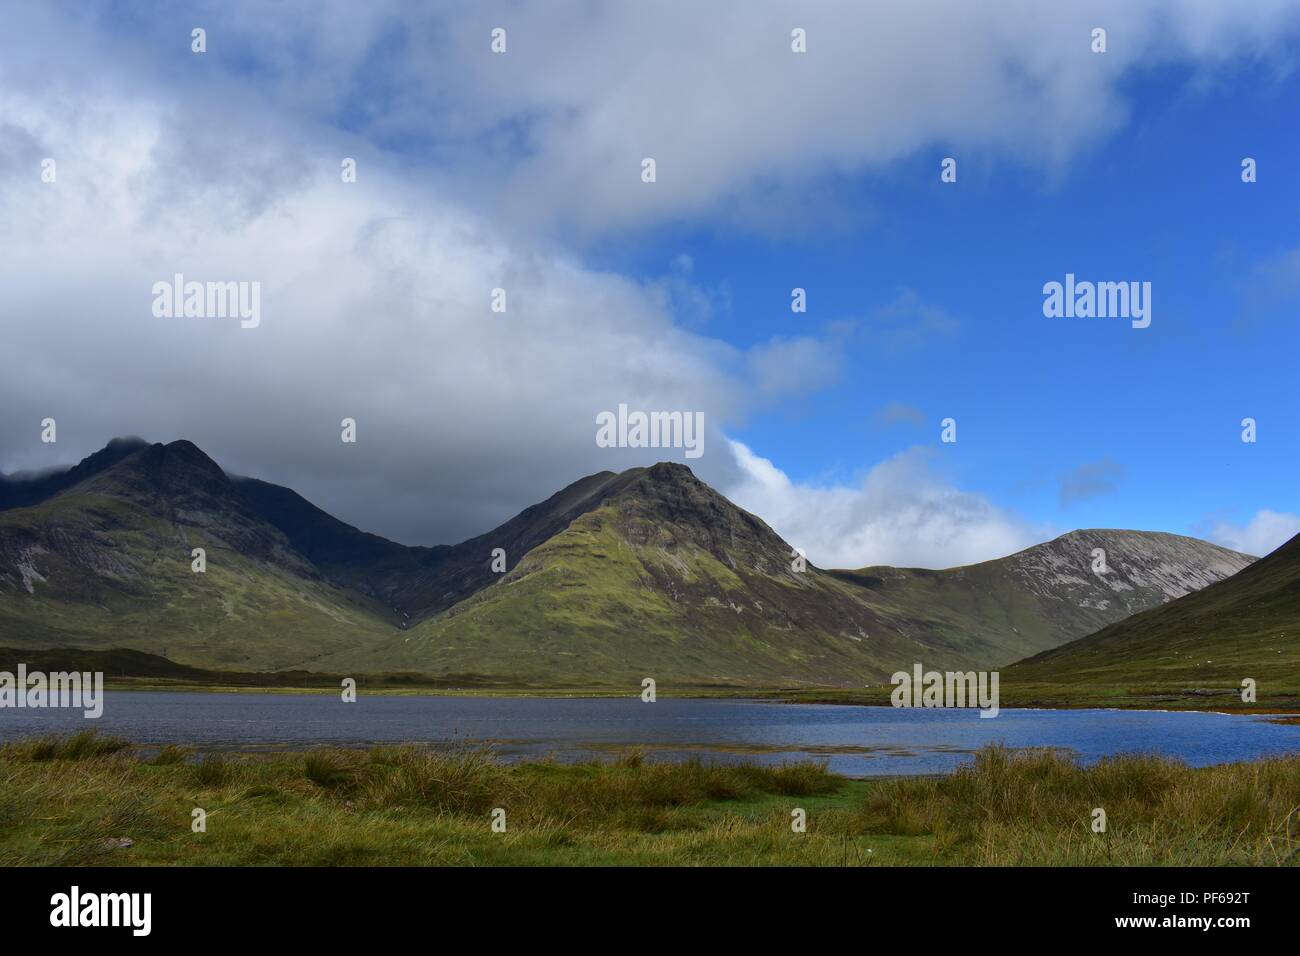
<point x="665" y="579"/>
<point x="1245" y="626"/>
<point x="418" y="582"/>
<point x="668" y="578"/>
<point x="105" y="562"/>
<point x="1046" y="595"/>
<point x="616" y="577"/>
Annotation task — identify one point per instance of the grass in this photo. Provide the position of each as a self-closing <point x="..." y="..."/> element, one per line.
<point x="79" y="746"/>
<point x="169" y="754"/>
<point x="63" y="801"/>
<point x="211" y="771"/>
<point x="1035" y="807"/>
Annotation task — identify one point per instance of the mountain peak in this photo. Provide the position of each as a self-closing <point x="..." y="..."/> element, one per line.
<point x="1197" y="640"/>
<point x="177" y="464"/>
<point x="127" y="443"/>
<point x="176" y="479"/>
<point x="669" y="471"/>
<point x="106" y="457"/>
<point x="20" y="491"/>
<point x="1101" y="567"/>
<point x="184" y="450"/>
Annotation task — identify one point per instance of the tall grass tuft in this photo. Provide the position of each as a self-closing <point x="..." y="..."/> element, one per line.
<point x="169" y="755"/>
<point x="326" y="770"/>
<point x="802" y="779"/>
<point x="83" y="745"/>
<point x="459" y="781"/>
<point x="631" y="758"/>
<point x="212" y="770"/>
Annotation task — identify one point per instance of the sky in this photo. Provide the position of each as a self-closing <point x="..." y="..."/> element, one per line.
<point x="774" y="171"/>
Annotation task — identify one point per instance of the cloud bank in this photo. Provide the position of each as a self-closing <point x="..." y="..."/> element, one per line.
<point x="900" y="514"/>
<point x="1265" y="532"/>
<point x="478" y="172"/>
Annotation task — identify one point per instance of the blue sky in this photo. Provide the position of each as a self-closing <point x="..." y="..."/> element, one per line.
<point x="1036" y="399"/>
<point x="775" y="170"/>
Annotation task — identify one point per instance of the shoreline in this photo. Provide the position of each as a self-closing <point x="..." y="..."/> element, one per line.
<point x="127" y="670"/>
<point x="758" y="695"/>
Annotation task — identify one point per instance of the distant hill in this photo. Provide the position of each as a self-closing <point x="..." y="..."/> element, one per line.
<point x="106" y="562"/>
<point x="616" y="577"/>
<point x="667" y="577"/>
<point x="1047" y="595"/>
<point x="1245" y="626"/>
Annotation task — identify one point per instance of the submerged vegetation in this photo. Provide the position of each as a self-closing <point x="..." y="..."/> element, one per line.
<point x="88" y="800"/>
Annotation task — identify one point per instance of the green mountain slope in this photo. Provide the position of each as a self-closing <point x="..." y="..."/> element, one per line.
<point x="107" y="563"/>
<point x="616" y="577"/>
<point x="1247" y="626"/>
<point x="668" y="579"/>
<point x="418" y="582"/>
<point x="665" y="579"/>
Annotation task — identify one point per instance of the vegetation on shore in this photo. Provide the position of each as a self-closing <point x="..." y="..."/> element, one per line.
<point x="93" y="800"/>
<point x="133" y="670"/>
<point x="1211" y="695"/>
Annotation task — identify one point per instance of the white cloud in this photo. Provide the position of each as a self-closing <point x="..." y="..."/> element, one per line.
<point x="478" y="171"/>
<point x="742" y="129"/>
<point x="1266" y="531"/>
<point x="900" y="514"/>
<point x="733" y="118"/>
<point x="790" y="365"/>
<point x="375" y="306"/>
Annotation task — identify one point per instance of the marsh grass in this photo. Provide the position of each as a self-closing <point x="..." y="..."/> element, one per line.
<point x="82" y="745"/>
<point x="169" y="754"/>
<point x="1011" y="807"/>
<point x="324" y="769"/>
<point x="212" y="770"/>
<point x="420" y="806"/>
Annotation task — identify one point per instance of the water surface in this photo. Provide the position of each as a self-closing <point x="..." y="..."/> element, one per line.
<point x="856" y="741"/>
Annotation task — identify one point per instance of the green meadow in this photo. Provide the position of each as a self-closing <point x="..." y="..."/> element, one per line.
<point x="91" y="800"/>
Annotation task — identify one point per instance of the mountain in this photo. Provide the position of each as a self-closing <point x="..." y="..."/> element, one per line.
<point x="1047" y="595"/>
<point x="417" y="582"/>
<point x="616" y="577"/>
<point x="103" y="559"/>
<point x="1245" y="626"/>
<point x="22" y="490"/>
<point x="664" y="578"/>
<point x="667" y="577"/>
